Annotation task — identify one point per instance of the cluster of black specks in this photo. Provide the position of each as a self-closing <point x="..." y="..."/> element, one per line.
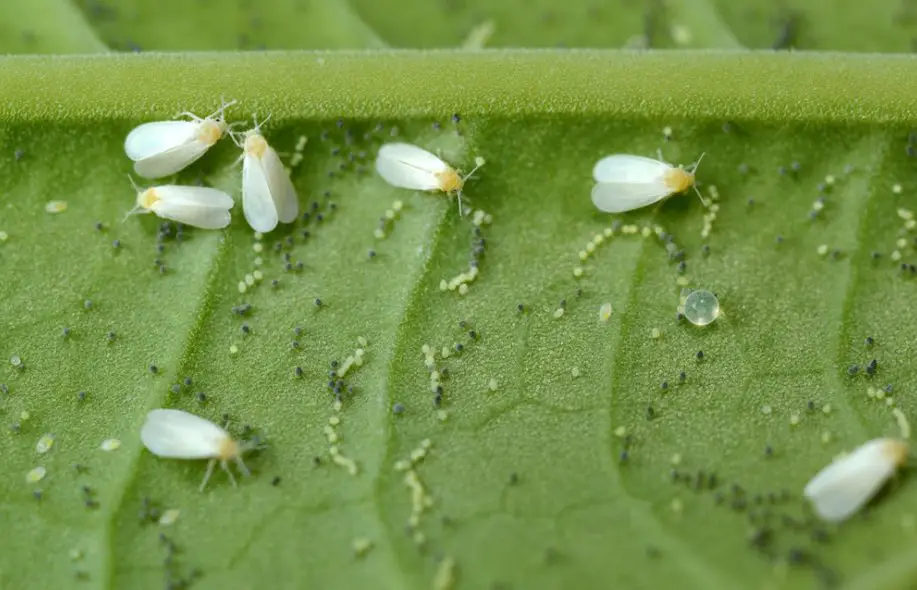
<point x="243" y="309"/>
<point x="89" y="500"/>
<point x="870" y="369"/>
<point x="168" y="232"/>
<point x="675" y="252"/>
<point x="339" y="386"/>
<point x="478" y="245"/>
<point x="175" y="579"/>
<point x="149" y="512"/>
<point x="781" y="529"/>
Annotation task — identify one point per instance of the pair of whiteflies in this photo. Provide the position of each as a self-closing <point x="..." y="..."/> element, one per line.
<point x="164" y="148"/>
<point x="836" y="492"/>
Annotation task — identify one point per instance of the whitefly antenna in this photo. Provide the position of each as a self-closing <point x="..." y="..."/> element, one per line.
<point x="137" y="207"/>
<point x="697" y="190"/>
<point x="478" y="162"/>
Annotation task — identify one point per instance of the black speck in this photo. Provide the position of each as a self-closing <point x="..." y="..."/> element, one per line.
<point x="563" y="303"/>
<point x="154" y="369"/>
<point x="665" y="385"/>
<point x="298" y="371"/>
<point x="65" y="332"/>
<point x="520" y="308"/>
<point x="768" y="451"/>
<point x="245" y="329"/>
<point x="276" y="481"/>
<point x="294" y="344"/>
<point x="872" y="366"/>
<point x="116" y="244"/>
<point x="700" y="355"/>
<point x="682" y="376"/>
<point x="623" y="457"/>
<point x="870" y="341"/>
<point x="176" y="388"/>
<point x="371" y="254"/>
<point x="87" y="304"/>
<point x="111" y="336"/>
<point x="650" y="413"/>
<point x="853" y="370"/>
<point x="201" y="397"/>
<point x="398" y="409"/>
<point x="459" y="347"/>
<point x="513" y="478"/>
<point x="797" y="556"/>
<point x="318" y="302"/>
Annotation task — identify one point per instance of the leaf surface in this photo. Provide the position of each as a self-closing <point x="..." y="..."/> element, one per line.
<point x="527" y="483"/>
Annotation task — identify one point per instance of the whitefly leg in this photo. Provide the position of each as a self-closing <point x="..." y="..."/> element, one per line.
<point x="210" y="465"/>
<point x="232" y="478"/>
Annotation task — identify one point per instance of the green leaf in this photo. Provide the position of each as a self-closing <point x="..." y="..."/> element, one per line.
<point x="527" y="483"/>
<point x="45" y="26"/>
<point x="180" y="25"/>
<point x="886" y="25"/>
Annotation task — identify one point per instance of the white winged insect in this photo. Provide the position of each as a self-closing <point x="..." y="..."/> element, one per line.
<point x="197" y="206"/>
<point x="175" y="434"/>
<point x="405" y="165"/>
<point x="268" y="195"/>
<point x="163" y="148"/>
<point x="626" y="182"/>
<point x="844" y="486"/>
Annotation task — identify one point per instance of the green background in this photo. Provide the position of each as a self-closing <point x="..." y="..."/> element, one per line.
<point x="527" y="483"/>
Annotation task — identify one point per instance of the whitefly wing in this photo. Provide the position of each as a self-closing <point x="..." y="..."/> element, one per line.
<point x="201" y="196"/>
<point x="197" y="206"/>
<point x="172" y="161"/>
<point x="844" y="486"/>
<point x="619" y="197"/>
<point x="407" y="166"/>
<point x="257" y="203"/>
<point x="180" y="435"/>
<point x="626" y="168"/>
<point x="151" y="139"/>
<point x="625" y="183"/>
<point x="281" y="186"/>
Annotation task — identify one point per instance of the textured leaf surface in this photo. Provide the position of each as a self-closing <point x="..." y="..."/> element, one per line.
<point x="527" y="483"/>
